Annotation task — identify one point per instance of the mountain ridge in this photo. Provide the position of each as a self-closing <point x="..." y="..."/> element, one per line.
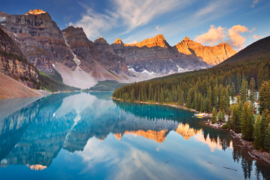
<point x="82" y="62"/>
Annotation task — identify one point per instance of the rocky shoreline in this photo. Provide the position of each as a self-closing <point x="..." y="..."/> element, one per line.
<point x="255" y="154"/>
<point x="163" y="104"/>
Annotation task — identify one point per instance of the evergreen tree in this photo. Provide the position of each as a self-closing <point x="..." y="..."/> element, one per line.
<point x="236" y="118"/>
<point x="264" y="97"/>
<point x="214" y="116"/>
<point x="233" y="93"/>
<point x="189" y="98"/>
<point x="151" y="93"/>
<point x="267" y="122"/>
<point x="244" y="91"/>
<point x="221" y="116"/>
<point x="222" y="101"/>
<point x="247" y="122"/>
<point x="196" y="103"/>
<point x="227" y="100"/>
<point x="201" y="103"/>
<point x="161" y="96"/>
<point x="258" y="138"/>
<point x="252" y="89"/>
<point x="132" y="95"/>
<point x="215" y="96"/>
<point x="266" y="143"/>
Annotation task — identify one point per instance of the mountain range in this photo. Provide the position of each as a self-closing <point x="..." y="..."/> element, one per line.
<point x="33" y="43"/>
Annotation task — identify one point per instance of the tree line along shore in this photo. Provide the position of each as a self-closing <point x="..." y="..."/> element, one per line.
<point x="227" y="90"/>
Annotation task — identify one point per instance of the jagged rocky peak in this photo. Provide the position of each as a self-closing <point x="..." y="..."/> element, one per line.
<point x="211" y="55"/>
<point x="118" y="41"/>
<point x="159" y="41"/>
<point x="100" y="40"/>
<point x="35" y="12"/>
<point x="74" y="32"/>
<point x="102" y="44"/>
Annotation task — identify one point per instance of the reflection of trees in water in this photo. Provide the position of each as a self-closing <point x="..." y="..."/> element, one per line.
<point x="40" y="136"/>
<point x="240" y="155"/>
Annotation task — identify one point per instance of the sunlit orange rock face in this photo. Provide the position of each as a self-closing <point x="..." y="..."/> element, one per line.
<point x="159" y="40"/>
<point x="156" y="55"/>
<point x="38" y="167"/>
<point x="186" y="131"/>
<point x="35" y="12"/>
<point x="159" y="136"/>
<point x="211" y="55"/>
<point x="118" y="136"/>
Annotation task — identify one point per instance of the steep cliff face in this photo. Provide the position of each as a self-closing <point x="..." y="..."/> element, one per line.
<point x="155" y="55"/>
<point x="13" y="64"/>
<point x="39" y="38"/>
<point x="211" y="55"/>
<point x="90" y="54"/>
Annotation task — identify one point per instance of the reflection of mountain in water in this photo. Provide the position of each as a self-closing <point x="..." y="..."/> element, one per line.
<point x="35" y="133"/>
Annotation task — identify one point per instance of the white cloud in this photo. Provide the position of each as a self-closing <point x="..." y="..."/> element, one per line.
<point x="127" y="162"/>
<point x="213" y="36"/>
<point x="236" y="40"/>
<point x="157" y="27"/>
<point x="233" y="36"/>
<point x="254" y="3"/>
<point x="94" y="23"/>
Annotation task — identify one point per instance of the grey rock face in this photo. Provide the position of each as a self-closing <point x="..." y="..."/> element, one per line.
<point x="39" y="39"/>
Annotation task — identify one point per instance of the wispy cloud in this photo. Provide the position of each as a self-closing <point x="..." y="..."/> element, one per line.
<point x="94" y="23"/>
<point x="254" y="3"/>
<point x="187" y="20"/>
<point x="256" y="36"/>
<point x="128" y="14"/>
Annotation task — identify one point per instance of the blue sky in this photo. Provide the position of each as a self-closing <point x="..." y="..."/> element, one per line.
<point x="210" y="22"/>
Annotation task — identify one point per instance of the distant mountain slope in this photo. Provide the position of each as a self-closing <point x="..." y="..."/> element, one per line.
<point x="10" y="88"/>
<point x="260" y="48"/>
<point x="107" y="85"/>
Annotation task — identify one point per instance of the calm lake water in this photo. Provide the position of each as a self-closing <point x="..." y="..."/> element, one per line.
<point x="90" y="136"/>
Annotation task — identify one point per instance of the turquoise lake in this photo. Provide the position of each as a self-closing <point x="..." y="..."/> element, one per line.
<point x="90" y="136"/>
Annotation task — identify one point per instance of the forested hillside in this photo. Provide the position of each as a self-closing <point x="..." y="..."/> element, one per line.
<point x="200" y="90"/>
<point x="211" y="91"/>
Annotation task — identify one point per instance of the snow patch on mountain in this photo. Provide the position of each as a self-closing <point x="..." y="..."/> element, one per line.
<point x="147" y="72"/>
<point x="2" y="19"/>
<point x="131" y="69"/>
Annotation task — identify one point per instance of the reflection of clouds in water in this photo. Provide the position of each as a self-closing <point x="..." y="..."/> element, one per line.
<point x="79" y="102"/>
<point x="128" y="162"/>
